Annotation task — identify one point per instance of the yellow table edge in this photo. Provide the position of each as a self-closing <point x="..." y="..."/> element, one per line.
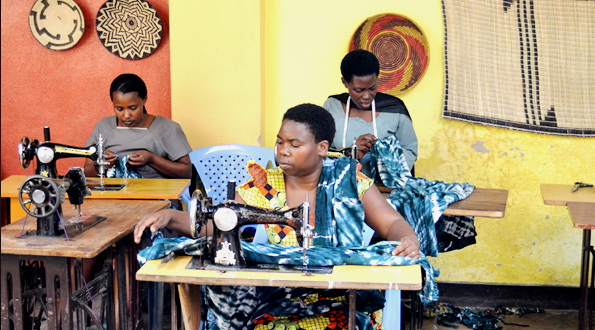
<point x="343" y="277"/>
<point x="561" y="194"/>
<point x="10" y="188"/>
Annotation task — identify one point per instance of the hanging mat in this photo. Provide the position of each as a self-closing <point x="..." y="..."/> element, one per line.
<point x="523" y="65"/>
<point x="57" y="24"/>
<point x="400" y="46"/>
<point x="130" y="29"/>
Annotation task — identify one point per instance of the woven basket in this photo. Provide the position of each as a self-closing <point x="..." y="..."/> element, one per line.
<point x="57" y="24"/>
<point x="130" y="29"/>
<point x="400" y="46"/>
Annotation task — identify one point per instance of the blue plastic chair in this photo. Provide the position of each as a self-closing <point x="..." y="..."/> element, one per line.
<point x="391" y="314"/>
<point x="217" y="165"/>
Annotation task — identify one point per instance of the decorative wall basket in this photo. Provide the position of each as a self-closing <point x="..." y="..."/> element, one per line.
<point x="400" y="46"/>
<point x="130" y="29"/>
<point x="57" y="24"/>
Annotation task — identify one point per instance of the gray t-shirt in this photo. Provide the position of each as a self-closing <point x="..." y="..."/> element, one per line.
<point x="387" y="124"/>
<point x="164" y="138"/>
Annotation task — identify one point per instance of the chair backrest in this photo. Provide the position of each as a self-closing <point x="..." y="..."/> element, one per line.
<point x="217" y="165"/>
<point x="368" y="232"/>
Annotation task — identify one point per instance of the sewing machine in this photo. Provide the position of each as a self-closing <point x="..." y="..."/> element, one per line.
<point x="42" y="198"/>
<point x="42" y="194"/>
<point x="225" y="252"/>
<point x="48" y="152"/>
<point x="350" y="152"/>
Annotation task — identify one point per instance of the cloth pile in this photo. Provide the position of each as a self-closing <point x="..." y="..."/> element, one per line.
<point x="421" y="202"/>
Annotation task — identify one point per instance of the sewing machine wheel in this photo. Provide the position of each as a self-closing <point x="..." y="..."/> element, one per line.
<point x="42" y="193"/>
<point x="194" y="205"/>
<point x="199" y="209"/>
<point x="24" y="150"/>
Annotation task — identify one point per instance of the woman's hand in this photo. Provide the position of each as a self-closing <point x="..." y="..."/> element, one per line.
<point x="409" y="248"/>
<point x="364" y="144"/>
<point x="154" y="221"/>
<point x="140" y="158"/>
<point x="110" y="157"/>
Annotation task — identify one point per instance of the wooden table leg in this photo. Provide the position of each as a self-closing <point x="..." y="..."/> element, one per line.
<point x="190" y="303"/>
<point x="352" y="310"/>
<point x="585" y="314"/>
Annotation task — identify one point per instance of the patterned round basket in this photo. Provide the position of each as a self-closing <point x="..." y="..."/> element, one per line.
<point x="400" y="46"/>
<point x="57" y="24"/>
<point x="130" y="29"/>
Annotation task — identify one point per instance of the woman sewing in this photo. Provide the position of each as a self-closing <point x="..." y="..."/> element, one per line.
<point x="152" y="146"/>
<point x="364" y="115"/>
<point x="303" y="174"/>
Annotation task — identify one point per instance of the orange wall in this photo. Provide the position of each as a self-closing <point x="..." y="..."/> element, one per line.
<point x="68" y="90"/>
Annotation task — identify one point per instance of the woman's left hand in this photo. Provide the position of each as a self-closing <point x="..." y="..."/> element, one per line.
<point x="140" y="158"/>
<point x="409" y="248"/>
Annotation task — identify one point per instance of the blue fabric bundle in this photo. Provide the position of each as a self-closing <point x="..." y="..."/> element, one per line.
<point x="122" y="170"/>
<point x="420" y="202"/>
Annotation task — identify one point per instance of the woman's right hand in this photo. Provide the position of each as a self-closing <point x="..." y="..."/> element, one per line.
<point x="110" y="157"/>
<point x="364" y="144"/>
<point x="154" y="221"/>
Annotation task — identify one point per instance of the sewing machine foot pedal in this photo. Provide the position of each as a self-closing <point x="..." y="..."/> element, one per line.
<point x="195" y="263"/>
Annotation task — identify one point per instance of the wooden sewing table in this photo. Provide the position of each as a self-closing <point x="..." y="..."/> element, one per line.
<point x="581" y="205"/>
<point x="343" y="277"/>
<point x="58" y="253"/>
<point x="490" y="203"/>
<point x="483" y="202"/>
<point x="133" y="189"/>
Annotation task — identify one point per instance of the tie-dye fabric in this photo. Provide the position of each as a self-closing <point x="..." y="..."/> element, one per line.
<point x="122" y="170"/>
<point x="246" y="305"/>
<point x="420" y="202"/>
<point x="253" y="194"/>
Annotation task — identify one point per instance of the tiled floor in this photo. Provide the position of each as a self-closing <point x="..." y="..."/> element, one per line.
<point x="550" y="320"/>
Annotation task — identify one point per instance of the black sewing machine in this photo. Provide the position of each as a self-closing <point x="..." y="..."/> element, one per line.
<point x="41" y="197"/>
<point x="350" y="152"/>
<point x="42" y="194"/>
<point x="225" y="252"/>
<point x="48" y="152"/>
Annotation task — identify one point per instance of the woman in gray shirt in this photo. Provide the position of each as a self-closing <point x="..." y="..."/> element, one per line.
<point x="364" y="115"/>
<point x="157" y="147"/>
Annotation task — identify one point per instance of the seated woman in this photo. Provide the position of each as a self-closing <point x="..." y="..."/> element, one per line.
<point x="329" y="185"/>
<point x="154" y="146"/>
<point x="364" y="115"/>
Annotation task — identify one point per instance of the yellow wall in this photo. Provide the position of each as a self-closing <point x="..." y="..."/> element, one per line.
<point x="216" y="71"/>
<point x="279" y="53"/>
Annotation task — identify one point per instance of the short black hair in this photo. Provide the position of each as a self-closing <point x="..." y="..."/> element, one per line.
<point x="359" y="63"/>
<point x="128" y="83"/>
<point x="316" y="118"/>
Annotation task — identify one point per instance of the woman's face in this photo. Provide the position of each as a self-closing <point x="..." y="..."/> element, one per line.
<point x="129" y="109"/>
<point x="362" y="90"/>
<point x="296" y="150"/>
